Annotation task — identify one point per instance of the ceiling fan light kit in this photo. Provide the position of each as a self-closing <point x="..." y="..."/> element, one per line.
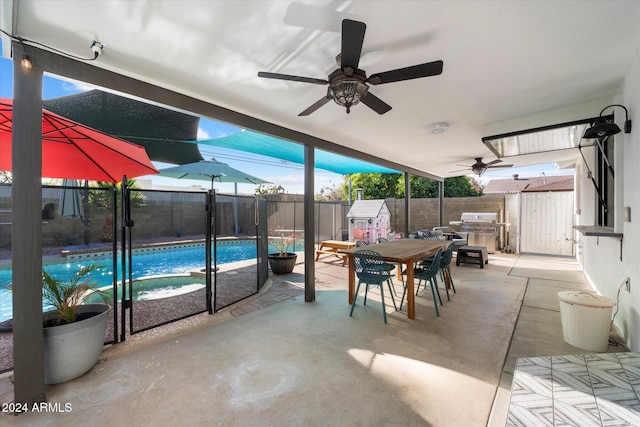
<point x="603" y="127"/>
<point x="347" y="91"/>
<point x="348" y="85"/>
<point x="479" y="169"/>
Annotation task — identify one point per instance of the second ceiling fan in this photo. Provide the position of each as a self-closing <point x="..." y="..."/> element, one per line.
<point x="479" y="167"/>
<point x="348" y="85"/>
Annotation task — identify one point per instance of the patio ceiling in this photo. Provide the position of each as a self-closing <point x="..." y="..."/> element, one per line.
<point x="507" y="65"/>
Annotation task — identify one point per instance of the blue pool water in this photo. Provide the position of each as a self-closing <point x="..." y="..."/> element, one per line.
<point x="153" y="288"/>
<point x="157" y="261"/>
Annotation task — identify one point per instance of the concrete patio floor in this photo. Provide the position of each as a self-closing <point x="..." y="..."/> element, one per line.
<point x="276" y="360"/>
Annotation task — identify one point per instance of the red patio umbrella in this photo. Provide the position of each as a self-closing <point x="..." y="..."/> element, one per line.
<point x="75" y="151"/>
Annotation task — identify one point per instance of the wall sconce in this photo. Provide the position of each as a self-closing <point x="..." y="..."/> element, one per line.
<point x="602" y="127"/>
<point x="25" y="63"/>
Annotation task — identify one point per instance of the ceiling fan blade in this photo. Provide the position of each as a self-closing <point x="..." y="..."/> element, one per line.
<point x="352" y="40"/>
<point x="461" y="170"/>
<point x="493" y="162"/>
<point x="375" y="103"/>
<point x="315" y="106"/>
<point x="292" y="78"/>
<point x="500" y="166"/>
<point x="407" y="73"/>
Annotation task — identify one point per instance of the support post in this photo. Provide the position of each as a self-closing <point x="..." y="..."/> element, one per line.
<point x="407" y="203"/>
<point x="236" y="225"/>
<point x="440" y="201"/>
<point x="309" y="222"/>
<point x="26" y="229"/>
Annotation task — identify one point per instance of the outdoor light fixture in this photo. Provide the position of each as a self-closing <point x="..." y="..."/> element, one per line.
<point x="25" y="63"/>
<point x="603" y="127"/>
<point x="347" y="89"/>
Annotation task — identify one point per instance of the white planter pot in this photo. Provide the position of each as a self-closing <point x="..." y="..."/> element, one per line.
<point x="71" y="350"/>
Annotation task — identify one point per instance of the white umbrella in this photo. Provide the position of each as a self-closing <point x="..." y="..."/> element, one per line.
<point x="215" y="171"/>
<point x="210" y="170"/>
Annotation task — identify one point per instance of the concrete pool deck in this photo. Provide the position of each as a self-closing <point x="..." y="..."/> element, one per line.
<point x="275" y="360"/>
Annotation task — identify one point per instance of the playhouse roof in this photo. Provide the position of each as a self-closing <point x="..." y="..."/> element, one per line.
<point x="368" y="209"/>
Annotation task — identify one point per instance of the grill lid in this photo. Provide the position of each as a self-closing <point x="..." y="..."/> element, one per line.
<point x="479" y="217"/>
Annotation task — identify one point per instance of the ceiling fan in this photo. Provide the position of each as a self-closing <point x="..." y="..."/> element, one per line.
<point x="349" y="85"/>
<point x="479" y="167"/>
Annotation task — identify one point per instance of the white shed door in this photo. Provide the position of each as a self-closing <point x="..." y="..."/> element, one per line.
<point x="547" y="223"/>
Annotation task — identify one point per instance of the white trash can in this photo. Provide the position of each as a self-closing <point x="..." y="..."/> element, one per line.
<point x="586" y="319"/>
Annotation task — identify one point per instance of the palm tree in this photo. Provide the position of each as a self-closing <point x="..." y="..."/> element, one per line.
<point x="67" y="296"/>
<point x="103" y="197"/>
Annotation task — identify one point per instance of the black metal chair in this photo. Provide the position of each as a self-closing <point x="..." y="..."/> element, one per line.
<point x="361" y="243"/>
<point x="428" y="274"/>
<point x="390" y="265"/>
<point x="445" y="269"/>
<point x="370" y="270"/>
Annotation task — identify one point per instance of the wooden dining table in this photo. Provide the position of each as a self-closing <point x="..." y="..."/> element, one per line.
<point x="403" y="251"/>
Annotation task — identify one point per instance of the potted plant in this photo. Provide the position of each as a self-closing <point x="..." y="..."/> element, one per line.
<point x="282" y="262"/>
<point x="73" y="332"/>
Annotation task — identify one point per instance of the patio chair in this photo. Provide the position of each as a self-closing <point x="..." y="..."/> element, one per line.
<point x="390" y="265"/>
<point x="445" y="269"/>
<point x="370" y="270"/>
<point x="428" y="274"/>
<point x="361" y="243"/>
<point x="459" y="238"/>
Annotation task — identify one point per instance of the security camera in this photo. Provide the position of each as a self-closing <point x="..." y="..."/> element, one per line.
<point x="96" y="47"/>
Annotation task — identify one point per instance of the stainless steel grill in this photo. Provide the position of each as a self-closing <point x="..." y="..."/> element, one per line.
<point x="482" y="229"/>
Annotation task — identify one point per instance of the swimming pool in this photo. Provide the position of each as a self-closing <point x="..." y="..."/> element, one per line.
<point x="158" y="260"/>
<point x="150" y="288"/>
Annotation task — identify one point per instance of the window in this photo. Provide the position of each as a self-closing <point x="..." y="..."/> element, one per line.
<point x="561" y="136"/>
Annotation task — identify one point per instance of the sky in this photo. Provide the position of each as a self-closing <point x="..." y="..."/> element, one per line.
<point x="282" y="173"/>
<point x="548" y="169"/>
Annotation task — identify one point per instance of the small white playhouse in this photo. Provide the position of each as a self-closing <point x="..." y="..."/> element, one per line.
<point x="368" y="220"/>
